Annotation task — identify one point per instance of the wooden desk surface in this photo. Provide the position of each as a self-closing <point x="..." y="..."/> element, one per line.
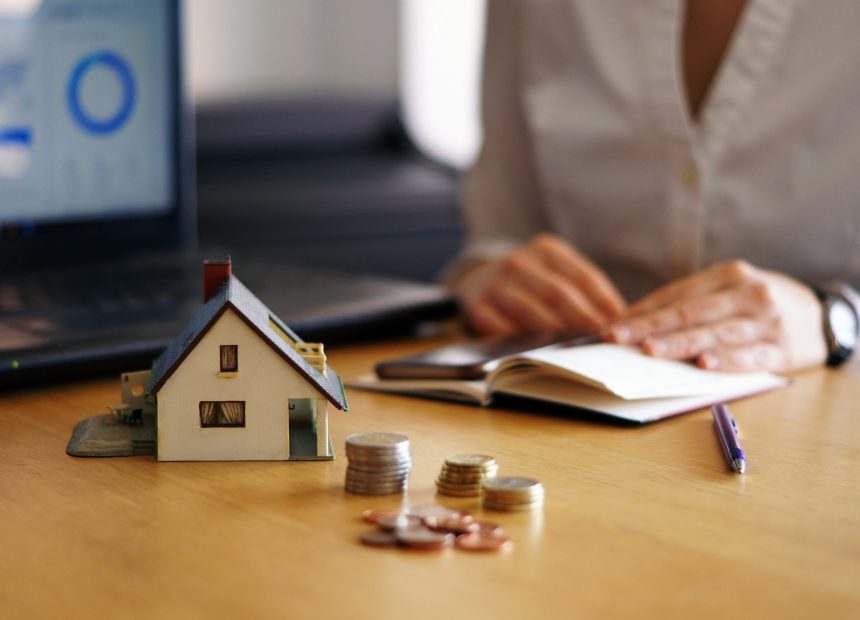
<point x="644" y="522"/>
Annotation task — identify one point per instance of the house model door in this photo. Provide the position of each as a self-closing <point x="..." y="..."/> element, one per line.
<point x="302" y="428"/>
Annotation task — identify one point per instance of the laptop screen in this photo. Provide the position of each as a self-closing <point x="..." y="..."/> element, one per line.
<point x="87" y="114"/>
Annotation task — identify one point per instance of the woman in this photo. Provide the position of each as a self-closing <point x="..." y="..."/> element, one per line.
<point x="703" y="153"/>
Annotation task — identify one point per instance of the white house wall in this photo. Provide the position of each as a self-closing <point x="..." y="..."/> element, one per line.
<point x="265" y="381"/>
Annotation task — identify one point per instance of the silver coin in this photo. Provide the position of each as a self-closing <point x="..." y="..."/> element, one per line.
<point x="531" y="492"/>
<point x="375" y="491"/>
<point x="509" y="483"/>
<point x="470" y="461"/>
<point x="510" y="507"/>
<point x="369" y="477"/>
<point x="501" y="499"/>
<point x="364" y="477"/>
<point x="354" y="455"/>
<point x="395" y="448"/>
<point x="379" y="463"/>
<point x="375" y="481"/>
<point x="378" y="456"/>
<point x="371" y="464"/>
<point x="374" y="465"/>
<point x="376" y="439"/>
<point x="381" y="471"/>
<point x="523" y="492"/>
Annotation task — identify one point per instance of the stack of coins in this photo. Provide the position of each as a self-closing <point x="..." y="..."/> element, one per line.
<point x="512" y="493"/>
<point x="379" y="463"/>
<point x="432" y="527"/>
<point x="462" y="474"/>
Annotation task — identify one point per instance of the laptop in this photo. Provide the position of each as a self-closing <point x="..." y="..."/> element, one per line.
<point x="99" y="266"/>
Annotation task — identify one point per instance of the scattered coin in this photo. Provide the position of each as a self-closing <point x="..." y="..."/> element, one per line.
<point x="478" y="541"/>
<point x="427" y="511"/>
<point x="432" y="527"/>
<point x="379" y="463"/>
<point x="490" y="529"/>
<point x="401" y="521"/>
<point x="373" y="516"/>
<point x="512" y="493"/>
<point x="423" y="538"/>
<point x="454" y="525"/>
<point x="379" y="538"/>
<point x="462" y="474"/>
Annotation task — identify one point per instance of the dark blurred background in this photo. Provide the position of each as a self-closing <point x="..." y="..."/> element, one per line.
<point x="335" y="131"/>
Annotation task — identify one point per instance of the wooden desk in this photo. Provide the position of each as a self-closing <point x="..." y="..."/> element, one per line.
<point x="644" y="522"/>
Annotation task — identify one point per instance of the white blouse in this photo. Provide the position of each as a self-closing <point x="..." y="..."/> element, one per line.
<point x="588" y="134"/>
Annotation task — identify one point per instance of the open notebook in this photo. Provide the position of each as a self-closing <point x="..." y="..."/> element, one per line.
<point x="614" y="380"/>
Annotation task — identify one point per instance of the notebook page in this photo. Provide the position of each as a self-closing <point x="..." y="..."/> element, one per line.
<point x="630" y="374"/>
<point x="565" y="392"/>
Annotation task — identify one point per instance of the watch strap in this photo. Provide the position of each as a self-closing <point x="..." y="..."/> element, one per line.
<point x="828" y="293"/>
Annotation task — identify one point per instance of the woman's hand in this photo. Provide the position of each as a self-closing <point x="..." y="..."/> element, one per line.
<point x="731" y="316"/>
<point x="546" y="285"/>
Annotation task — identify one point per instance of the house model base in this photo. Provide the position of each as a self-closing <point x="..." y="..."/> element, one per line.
<point x="106" y="435"/>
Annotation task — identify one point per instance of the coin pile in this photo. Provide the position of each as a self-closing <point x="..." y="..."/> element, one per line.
<point x="512" y="493"/>
<point x="432" y="528"/>
<point x="462" y="474"/>
<point x="379" y="463"/>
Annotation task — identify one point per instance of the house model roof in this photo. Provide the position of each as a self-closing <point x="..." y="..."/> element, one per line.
<point x="233" y="294"/>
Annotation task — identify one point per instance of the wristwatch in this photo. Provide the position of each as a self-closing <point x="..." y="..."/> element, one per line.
<point x="839" y="304"/>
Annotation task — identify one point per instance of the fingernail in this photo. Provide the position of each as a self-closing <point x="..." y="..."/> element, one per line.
<point x="709" y="361"/>
<point x="620" y="333"/>
<point x="655" y="347"/>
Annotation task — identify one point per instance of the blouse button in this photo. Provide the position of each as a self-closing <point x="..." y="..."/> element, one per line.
<point x="689" y="176"/>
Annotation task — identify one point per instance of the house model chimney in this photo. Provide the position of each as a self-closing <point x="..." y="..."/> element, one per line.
<point x="215" y="274"/>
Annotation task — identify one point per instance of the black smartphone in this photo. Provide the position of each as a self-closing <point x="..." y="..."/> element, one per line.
<point x="472" y="359"/>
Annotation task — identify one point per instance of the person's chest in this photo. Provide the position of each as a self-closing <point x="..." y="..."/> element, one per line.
<point x="708" y="28"/>
<point x="625" y="169"/>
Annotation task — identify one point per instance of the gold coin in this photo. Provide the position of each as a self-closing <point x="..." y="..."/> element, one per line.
<point x="510" y="507"/>
<point x="470" y="460"/>
<point x="458" y="485"/>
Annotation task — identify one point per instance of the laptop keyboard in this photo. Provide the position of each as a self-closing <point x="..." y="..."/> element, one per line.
<point x="146" y="305"/>
<point x="70" y="305"/>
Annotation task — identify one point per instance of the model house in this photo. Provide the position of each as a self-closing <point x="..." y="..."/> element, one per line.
<point x="238" y="384"/>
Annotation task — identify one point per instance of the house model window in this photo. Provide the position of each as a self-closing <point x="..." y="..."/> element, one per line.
<point x="229" y="358"/>
<point x="229" y="413"/>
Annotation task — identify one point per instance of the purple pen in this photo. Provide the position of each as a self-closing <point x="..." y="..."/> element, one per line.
<point x="728" y="433"/>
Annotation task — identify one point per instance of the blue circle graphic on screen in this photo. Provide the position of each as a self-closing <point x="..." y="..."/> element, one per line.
<point x="113" y="62"/>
